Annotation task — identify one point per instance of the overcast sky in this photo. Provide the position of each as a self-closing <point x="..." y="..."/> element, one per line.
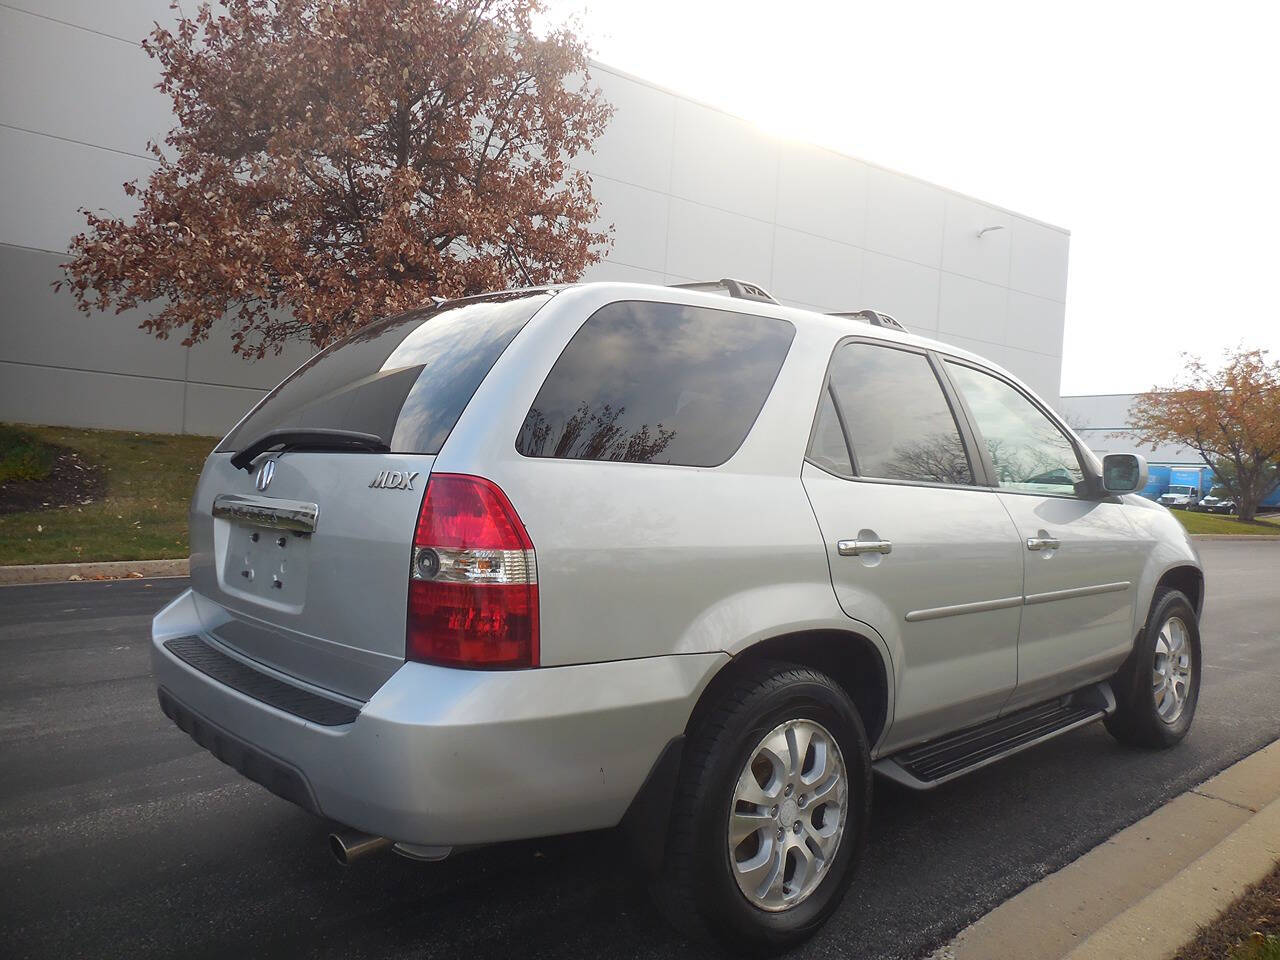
<point x="1149" y="130"/>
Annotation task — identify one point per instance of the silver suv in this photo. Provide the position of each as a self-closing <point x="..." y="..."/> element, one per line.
<point x="698" y="565"/>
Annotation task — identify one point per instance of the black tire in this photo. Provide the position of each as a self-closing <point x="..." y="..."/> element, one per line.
<point x="1137" y="720"/>
<point x="696" y="887"/>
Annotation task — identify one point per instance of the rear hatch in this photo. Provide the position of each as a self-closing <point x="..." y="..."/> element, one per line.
<point x="300" y="554"/>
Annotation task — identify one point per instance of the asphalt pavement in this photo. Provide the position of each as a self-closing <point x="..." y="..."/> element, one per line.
<point x="119" y="837"/>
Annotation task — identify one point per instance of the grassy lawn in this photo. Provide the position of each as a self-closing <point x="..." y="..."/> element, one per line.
<point x="149" y="482"/>
<point x="1220" y="523"/>
<point x="1248" y="930"/>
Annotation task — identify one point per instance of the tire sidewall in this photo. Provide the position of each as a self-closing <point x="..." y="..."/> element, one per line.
<point x="722" y="902"/>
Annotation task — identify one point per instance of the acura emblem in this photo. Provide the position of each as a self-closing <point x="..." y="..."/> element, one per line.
<point x="265" y="473"/>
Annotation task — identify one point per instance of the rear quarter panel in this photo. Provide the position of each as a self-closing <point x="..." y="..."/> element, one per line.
<point x="639" y="560"/>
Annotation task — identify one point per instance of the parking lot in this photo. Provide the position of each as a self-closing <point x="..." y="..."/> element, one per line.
<point x="123" y="838"/>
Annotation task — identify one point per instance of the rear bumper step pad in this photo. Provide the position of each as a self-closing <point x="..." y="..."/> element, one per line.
<point x="933" y="763"/>
<point x="213" y="663"/>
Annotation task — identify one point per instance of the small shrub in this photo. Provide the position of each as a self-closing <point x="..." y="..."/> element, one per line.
<point x="22" y="456"/>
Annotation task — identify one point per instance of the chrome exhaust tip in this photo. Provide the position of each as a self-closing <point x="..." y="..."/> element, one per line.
<point x="347" y="846"/>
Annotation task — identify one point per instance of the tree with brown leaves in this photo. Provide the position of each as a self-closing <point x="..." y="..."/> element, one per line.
<point x="335" y="161"/>
<point x="1230" y="416"/>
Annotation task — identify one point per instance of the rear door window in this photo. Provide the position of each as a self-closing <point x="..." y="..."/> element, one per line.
<point x="899" y="422"/>
<point x="405" y="379"/>
<point x="827" y="445"/>
<point x="645" y="382"/>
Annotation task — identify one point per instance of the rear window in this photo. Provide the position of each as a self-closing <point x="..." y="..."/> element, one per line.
<point x="406" y="379"/>
<point x="644" y="382"/>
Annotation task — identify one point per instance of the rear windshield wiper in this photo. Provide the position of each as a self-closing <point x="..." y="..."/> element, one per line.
<point x="309" y="438"/>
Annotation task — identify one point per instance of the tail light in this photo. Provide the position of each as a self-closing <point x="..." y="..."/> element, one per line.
<point x="473" y="587"/>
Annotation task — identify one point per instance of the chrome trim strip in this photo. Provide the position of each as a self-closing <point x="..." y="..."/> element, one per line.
<point x="293" y="515"/>
<point x="956" y="609"/>
<point x="1074" y="592"/>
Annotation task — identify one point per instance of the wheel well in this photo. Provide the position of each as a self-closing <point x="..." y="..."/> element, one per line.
<point x="850" y="659"/>
<point x="1188" y="580"/>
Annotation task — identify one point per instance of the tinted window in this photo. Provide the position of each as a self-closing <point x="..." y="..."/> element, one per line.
<point x="1027" y="448"/>
<point x="656" y="383"/>
<point x="406" y="379"/>
<point x="827" y="446"/>
<point x="899" y="422"/>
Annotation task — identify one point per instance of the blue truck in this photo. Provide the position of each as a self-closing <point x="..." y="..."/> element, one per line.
<point x="1187" y="487"/>
<point x="1157" y="482"/>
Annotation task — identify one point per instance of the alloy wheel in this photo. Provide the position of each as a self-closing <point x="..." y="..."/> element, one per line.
<point x="788" y="815"/>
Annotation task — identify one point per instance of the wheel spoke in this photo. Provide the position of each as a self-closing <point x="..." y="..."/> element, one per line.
<point x="798" y="739"/>
<point x="778" y="869"/>
<point x="744" y="825"/>
<point x="824" y="792"/>
<point x="757" y="873"/>
<point x="750" y="790"/>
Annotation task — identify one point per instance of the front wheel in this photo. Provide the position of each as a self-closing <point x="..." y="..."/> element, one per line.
<point x="1159" y="685"/>
<point x="770" y="817"/>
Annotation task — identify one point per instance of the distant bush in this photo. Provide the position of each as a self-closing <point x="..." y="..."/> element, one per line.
<point x="22" y="456"/>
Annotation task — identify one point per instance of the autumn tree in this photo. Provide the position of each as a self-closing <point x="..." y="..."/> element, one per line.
<point x="1230" y="416"/>
<point x="334" y="161"/>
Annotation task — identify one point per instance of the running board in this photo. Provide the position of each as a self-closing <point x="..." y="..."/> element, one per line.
<point x="930" y="764"/>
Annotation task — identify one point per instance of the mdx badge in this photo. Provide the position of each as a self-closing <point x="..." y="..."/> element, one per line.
<point x="395" y="480"/>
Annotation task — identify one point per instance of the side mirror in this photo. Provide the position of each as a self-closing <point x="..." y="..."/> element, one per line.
<point x="1123" y="473"/>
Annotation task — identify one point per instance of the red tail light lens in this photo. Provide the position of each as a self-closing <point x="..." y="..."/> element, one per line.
<point x="473" y="587"/>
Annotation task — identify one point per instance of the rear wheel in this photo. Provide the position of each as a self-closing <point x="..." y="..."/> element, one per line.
<point x="1159" y="685"/>
<point x="770" y="816"/>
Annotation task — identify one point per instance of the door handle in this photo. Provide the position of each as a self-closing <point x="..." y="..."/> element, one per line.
<point x="1042" y="543"/>
<point x="856" y="548"/>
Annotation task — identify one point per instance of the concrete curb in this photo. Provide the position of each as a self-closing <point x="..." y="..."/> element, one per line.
<point x="1159" y="925"/>
<point x="1145" y="893"/>
<point x="105" y="570"/>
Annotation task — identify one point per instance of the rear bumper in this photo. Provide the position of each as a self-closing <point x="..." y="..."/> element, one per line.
<point x="445" y="757"/>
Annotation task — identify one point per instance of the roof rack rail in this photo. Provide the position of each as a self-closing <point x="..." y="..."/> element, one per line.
<point x="873" y="317"/>
<point x="742" y="289"/>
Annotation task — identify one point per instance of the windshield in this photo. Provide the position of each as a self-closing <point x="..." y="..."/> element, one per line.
<point x="405" y="380"/>
<point x="1181" y="490"/>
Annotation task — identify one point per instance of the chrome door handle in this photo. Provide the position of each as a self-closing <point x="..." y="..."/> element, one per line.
<point x="1042" y="543"/>
<point x="855" y="548"/>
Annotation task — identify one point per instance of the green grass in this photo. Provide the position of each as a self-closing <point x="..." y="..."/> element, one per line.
<point x="1220" y="523"/>
<point x="1258" y="947"/>
<point x="150" y="479"/>
<point x="23" y="456"/>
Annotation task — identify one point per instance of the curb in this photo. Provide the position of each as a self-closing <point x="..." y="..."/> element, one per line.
<point x="1159" y="925"/>
<point x="1144" y="893"/>
<point x="104" y="570"/>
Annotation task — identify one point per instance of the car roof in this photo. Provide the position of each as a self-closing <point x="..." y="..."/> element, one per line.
<point x="815" y="322"/>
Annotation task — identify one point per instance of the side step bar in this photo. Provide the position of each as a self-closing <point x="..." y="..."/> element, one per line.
<point x="934" y="763"/>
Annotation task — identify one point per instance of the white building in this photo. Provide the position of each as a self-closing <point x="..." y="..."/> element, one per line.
<point x="1102" y="420"/>
<point x="694" y="194"/>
